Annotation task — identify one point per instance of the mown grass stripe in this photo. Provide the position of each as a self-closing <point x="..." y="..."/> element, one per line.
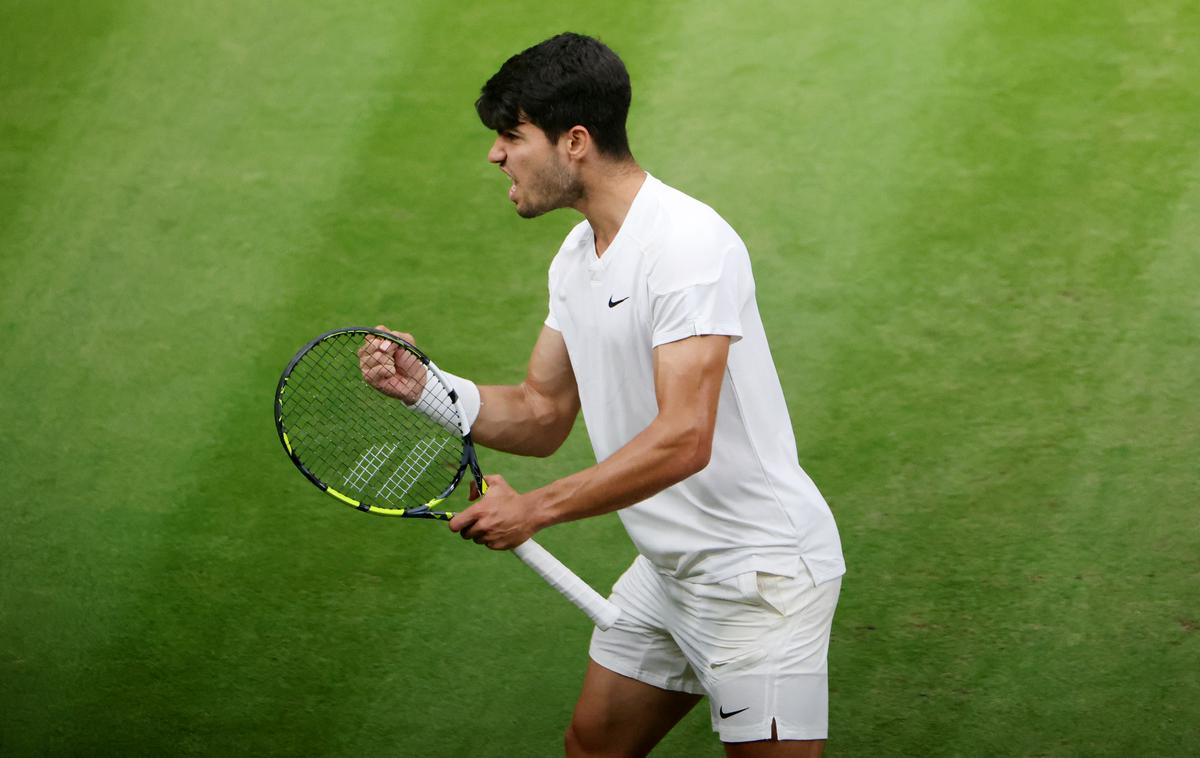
<point x="171" y="240"/>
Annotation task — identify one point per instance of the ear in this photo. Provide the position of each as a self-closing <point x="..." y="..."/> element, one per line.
<point x="578" y="142"/>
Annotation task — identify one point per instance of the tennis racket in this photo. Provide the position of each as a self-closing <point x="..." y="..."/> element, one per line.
<point x="396" y="456"/>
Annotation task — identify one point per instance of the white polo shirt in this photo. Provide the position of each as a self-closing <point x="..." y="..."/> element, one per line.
<point x="677" y="269"/>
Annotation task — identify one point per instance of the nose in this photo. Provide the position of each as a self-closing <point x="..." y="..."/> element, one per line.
<point x="496" y="154"/>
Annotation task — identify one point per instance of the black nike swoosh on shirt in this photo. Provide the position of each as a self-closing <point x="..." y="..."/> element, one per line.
<point x="612" y="304"/>
<point x="725" y="715"/>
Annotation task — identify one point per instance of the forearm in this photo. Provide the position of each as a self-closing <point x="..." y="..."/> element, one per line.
<point x="515" y="419"/>
<point x="660" y="456"/>
<point x="676" y="444"/>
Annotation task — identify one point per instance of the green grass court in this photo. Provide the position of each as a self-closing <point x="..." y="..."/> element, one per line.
<point x="976" y="234"/>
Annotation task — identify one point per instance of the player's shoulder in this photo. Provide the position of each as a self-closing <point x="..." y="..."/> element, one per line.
<point x="681" y="225"/>
<point x="687" y="239"/>
<point x="678" y="214"/>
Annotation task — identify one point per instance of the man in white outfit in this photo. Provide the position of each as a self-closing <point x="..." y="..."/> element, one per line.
<point x="653" y="331"/>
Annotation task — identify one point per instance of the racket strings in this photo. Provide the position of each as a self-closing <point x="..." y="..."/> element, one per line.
<point x="374" y="448"/>
<point x="406" y="475"/>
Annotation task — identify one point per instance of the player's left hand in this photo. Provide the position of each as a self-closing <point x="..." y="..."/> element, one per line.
<point x="499" y="520"/>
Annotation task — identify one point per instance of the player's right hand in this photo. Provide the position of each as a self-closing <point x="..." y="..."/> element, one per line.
<point x="390" y="369"/>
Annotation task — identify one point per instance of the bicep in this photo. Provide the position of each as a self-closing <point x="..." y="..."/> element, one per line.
<point x="535" y="416"/>
<point x="550" y="376"/>
<point x="687" y="379"/>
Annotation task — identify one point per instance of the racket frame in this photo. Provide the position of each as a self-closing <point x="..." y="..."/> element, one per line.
<point x="601" y="611"/>
<point x="426" y="510"/>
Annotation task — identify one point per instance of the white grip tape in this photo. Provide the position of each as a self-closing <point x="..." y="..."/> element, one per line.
<point x="603" y="613"/>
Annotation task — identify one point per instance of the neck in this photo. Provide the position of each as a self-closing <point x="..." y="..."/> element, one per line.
<point x="607" y="198"/>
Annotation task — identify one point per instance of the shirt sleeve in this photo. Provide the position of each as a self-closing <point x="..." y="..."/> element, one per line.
<point x="551" y="280"/>
<point x="699" y="293"/>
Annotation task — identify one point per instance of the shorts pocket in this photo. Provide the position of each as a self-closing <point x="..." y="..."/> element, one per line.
<point x="782" y="594"/>
<point x="742" y="659"/>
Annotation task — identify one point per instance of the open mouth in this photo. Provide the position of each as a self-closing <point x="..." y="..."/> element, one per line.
<point x="512" y="188"/>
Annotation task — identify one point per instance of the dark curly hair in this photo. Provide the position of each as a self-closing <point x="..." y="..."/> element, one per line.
<point x="568" y="80"/>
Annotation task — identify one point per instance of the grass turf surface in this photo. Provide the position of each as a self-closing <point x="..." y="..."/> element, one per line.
<point x="974" y="228"/>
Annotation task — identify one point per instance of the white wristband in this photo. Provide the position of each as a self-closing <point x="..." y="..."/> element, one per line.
<point x="434" y="407"/>
<point x="468" y="393"/>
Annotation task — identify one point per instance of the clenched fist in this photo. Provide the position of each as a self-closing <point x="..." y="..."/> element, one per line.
<point x="390" y="368"/>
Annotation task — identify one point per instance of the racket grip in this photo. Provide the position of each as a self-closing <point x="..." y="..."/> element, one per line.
<point x="603" y="613"/>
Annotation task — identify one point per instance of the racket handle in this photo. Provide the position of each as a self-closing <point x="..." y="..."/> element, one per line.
<point x="603" y="613"/>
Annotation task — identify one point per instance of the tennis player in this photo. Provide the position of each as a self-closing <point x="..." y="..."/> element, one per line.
<point x="653" y="330"/>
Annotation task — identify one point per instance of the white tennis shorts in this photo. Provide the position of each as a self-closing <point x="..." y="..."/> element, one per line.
<point x="756" y="644"/>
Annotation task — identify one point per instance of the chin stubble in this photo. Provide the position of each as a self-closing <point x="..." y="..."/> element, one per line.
<point x="560" y="188"/>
